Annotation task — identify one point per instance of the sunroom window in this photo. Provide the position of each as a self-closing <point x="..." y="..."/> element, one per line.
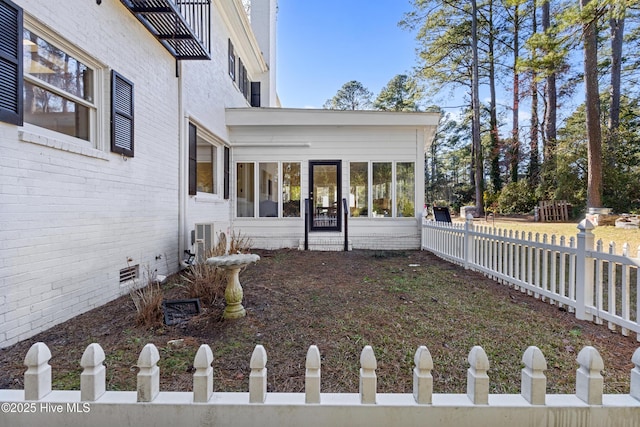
<point x="267" y="189"/>
<point x="245" y="190"/>
<point x="359" y="189"/>
<point x="382" y="189"/>
<point x="291" y="189"/>
<point x="382" y="184"/>
<point x="405" y="190"/>
<point x="59" y="88"/>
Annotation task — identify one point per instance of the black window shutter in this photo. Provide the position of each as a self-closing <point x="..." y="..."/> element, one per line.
<point x="121" y="115"/>
<point x="232" y="62"/>
<point x="193" y="159"/>
<point x="240" y="75"/>
<point x="11" y="103"/>
<point x="255" y="94"/>
<point x="245" y="85"/>
<point x="226" y="172"/>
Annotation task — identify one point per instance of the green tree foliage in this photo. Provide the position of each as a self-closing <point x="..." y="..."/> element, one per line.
<point x="550" y="147"/>
<point x="449" y="52"/>
<point x="402" y="93"/>
<point x="444" y="43"/>
<point x="351" y="96"/>
<point x="516" y="197"/>
<point x="621" y="183"/>
<point x="448" y="164"/>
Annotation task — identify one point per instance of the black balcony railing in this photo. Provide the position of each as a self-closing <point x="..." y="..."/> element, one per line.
<point x="182" y="26"/>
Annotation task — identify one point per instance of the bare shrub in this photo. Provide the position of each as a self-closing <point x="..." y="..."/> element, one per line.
<point x="148" y="301"/>
<point x="208" y="282"/>
<point x="239" y="244"/>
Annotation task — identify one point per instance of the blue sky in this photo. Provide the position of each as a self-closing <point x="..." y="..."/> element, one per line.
<point x="321" y="45"/>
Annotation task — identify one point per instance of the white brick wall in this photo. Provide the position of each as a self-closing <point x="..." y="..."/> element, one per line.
<point x="71" y="216"/>
<point x="207" y="91"/>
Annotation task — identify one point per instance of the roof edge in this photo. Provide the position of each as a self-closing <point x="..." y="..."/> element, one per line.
<point x="323" y="117"/>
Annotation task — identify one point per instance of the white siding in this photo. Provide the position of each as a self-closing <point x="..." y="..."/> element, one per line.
<point x="345" y="143"/>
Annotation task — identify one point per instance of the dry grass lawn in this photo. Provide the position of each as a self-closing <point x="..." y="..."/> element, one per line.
<point x="393" y="301"/>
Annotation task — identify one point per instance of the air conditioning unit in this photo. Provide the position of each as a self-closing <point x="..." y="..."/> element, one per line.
<point x="203" y="240"/>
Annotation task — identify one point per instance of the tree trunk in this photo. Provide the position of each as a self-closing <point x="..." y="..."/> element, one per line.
<point x="617" y="35"/>
<point x="534" y="157"/>
<point x="592" y="100"/>
<point x="496" y="179"/>
<point x="475" y="100"/>
<point x="550" y="119"/>
<point x="515" y="132"/>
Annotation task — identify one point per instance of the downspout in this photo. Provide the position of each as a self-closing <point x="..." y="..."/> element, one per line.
<point x="182" y="158"/>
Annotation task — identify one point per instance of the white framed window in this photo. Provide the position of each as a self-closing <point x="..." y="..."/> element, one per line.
<point x="205" y="162"/>
<point x="268" y="185"/>
<point x="291" y="190"/>
<point x="268" y="189"/>
<point x="63" y="88"/>
<point x="207" y="168"/>
<point x="405" y="194"/>
<point x="382" y="184"/>
<point x="245" y="190"/>
<point x="382" y="189"/>
<point x="359" y="189"/>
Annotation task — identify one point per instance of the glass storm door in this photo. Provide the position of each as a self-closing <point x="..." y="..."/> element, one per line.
<point x="325" y="194"/>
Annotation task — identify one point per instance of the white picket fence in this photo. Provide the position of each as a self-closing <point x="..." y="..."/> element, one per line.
<point x="93" y="405"/>
<point x="577" y="273"/>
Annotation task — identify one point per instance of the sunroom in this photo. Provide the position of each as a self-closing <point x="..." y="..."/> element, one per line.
<point x="328" y="180"/>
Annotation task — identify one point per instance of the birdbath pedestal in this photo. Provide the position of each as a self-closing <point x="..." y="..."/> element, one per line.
<point x="233" y="293"/>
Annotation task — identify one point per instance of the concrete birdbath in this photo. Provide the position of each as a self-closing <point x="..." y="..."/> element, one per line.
<point x="233" y="293"/>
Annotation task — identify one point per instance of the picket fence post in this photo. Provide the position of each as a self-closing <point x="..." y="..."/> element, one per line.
<point x="589" y="381"/>
<point x="422" y="378"/>
<point x="37" y="378"/>
<point x="477" y="378"/>
<point x="149" y="375"/>
<point x="258" y="375"/>
<point x="312" y="376"/>
<point x="634" y="386"/>
<point x="584" y="270"/>
<point x="203" y="376"/>
<point x="468" y="241"/>
<point x="93" y="377"/>
<point x="368" y="377"/>
<point x="533" y="380"/>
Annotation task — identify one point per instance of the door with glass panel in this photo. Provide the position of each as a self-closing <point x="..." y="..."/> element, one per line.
<point x="325" y="194"/>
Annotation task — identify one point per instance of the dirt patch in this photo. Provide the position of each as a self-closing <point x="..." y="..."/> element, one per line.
<point x="393" y="301"/>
